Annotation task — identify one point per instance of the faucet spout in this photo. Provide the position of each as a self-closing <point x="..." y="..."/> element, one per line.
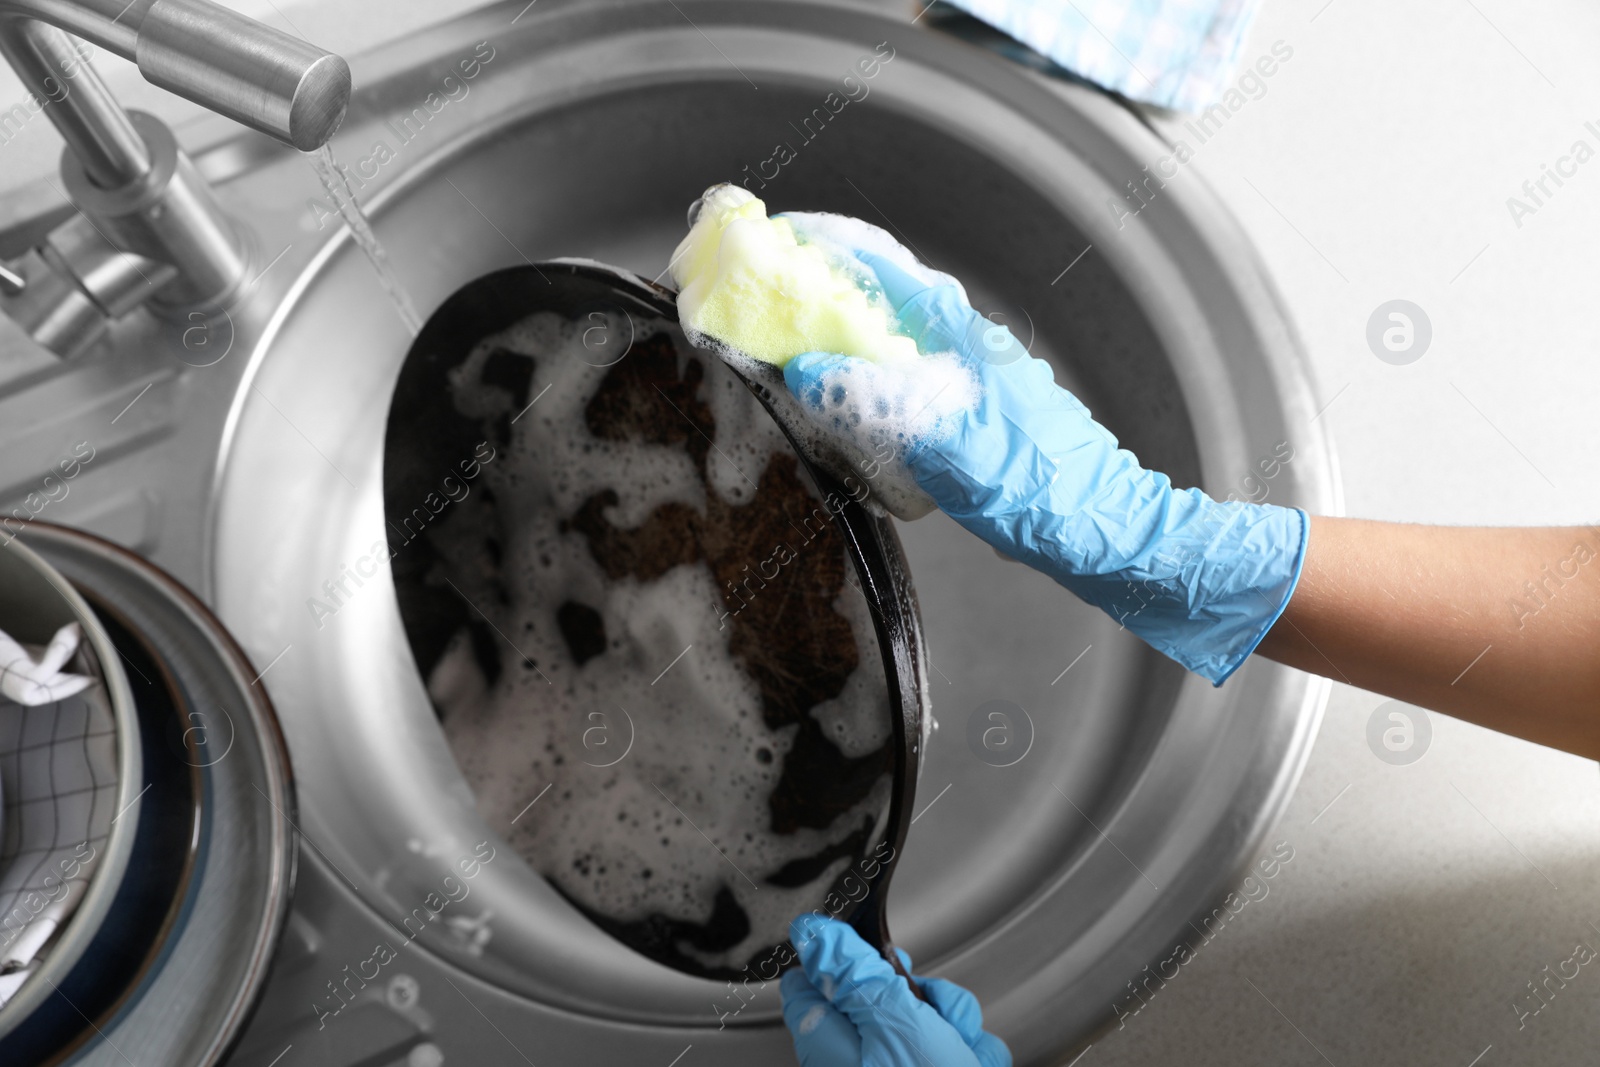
<point x="221" y="60"/>
<point x="151" y="233"/>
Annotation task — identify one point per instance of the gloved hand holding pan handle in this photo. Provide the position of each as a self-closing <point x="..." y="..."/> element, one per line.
<point x="846" y="1006"/>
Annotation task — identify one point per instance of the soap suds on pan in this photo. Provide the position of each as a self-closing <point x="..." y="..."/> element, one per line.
<point x="693" y="676"/>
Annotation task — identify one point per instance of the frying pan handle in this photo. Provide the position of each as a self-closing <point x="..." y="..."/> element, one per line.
<point x="870" y="922"/>
<point x="894" y="961"/>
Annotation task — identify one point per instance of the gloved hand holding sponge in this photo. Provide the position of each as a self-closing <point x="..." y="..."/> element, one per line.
<point x="880" y="350"/>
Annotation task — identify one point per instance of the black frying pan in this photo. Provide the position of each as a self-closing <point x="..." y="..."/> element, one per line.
<point x="573" y="287"/>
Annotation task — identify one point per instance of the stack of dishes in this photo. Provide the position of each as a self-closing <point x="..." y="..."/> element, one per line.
<point x="147" y="846"/>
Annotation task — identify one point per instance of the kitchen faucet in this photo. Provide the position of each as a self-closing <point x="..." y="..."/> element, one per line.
<point x="149" y="232"/>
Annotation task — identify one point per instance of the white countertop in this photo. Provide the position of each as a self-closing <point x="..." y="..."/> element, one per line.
<point x="1375" y="165"/>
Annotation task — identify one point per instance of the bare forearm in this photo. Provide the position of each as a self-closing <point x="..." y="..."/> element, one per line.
<point x="1500" y="627"/>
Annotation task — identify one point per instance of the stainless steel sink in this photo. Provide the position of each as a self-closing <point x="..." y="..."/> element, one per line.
<point x="249" y="464"/>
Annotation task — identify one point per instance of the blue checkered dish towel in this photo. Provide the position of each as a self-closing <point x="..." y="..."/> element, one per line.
<point x="1176" y="54"/>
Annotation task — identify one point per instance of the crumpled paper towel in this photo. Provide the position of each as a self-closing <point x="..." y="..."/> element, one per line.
<point x="32" y="676"/>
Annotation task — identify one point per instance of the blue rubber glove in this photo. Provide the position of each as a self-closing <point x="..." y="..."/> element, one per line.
<point x="1030" y="472"/>
<point x="846" y="1006"/>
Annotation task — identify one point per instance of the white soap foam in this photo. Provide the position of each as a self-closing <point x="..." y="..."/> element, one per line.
<point x="855" y="735"/>
<point x="746" y="436"/>
<point x="630" y="840"/>
<point x="842" y="237"/>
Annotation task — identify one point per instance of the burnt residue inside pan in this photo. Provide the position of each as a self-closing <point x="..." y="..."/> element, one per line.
<point x="628" y="602"/>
